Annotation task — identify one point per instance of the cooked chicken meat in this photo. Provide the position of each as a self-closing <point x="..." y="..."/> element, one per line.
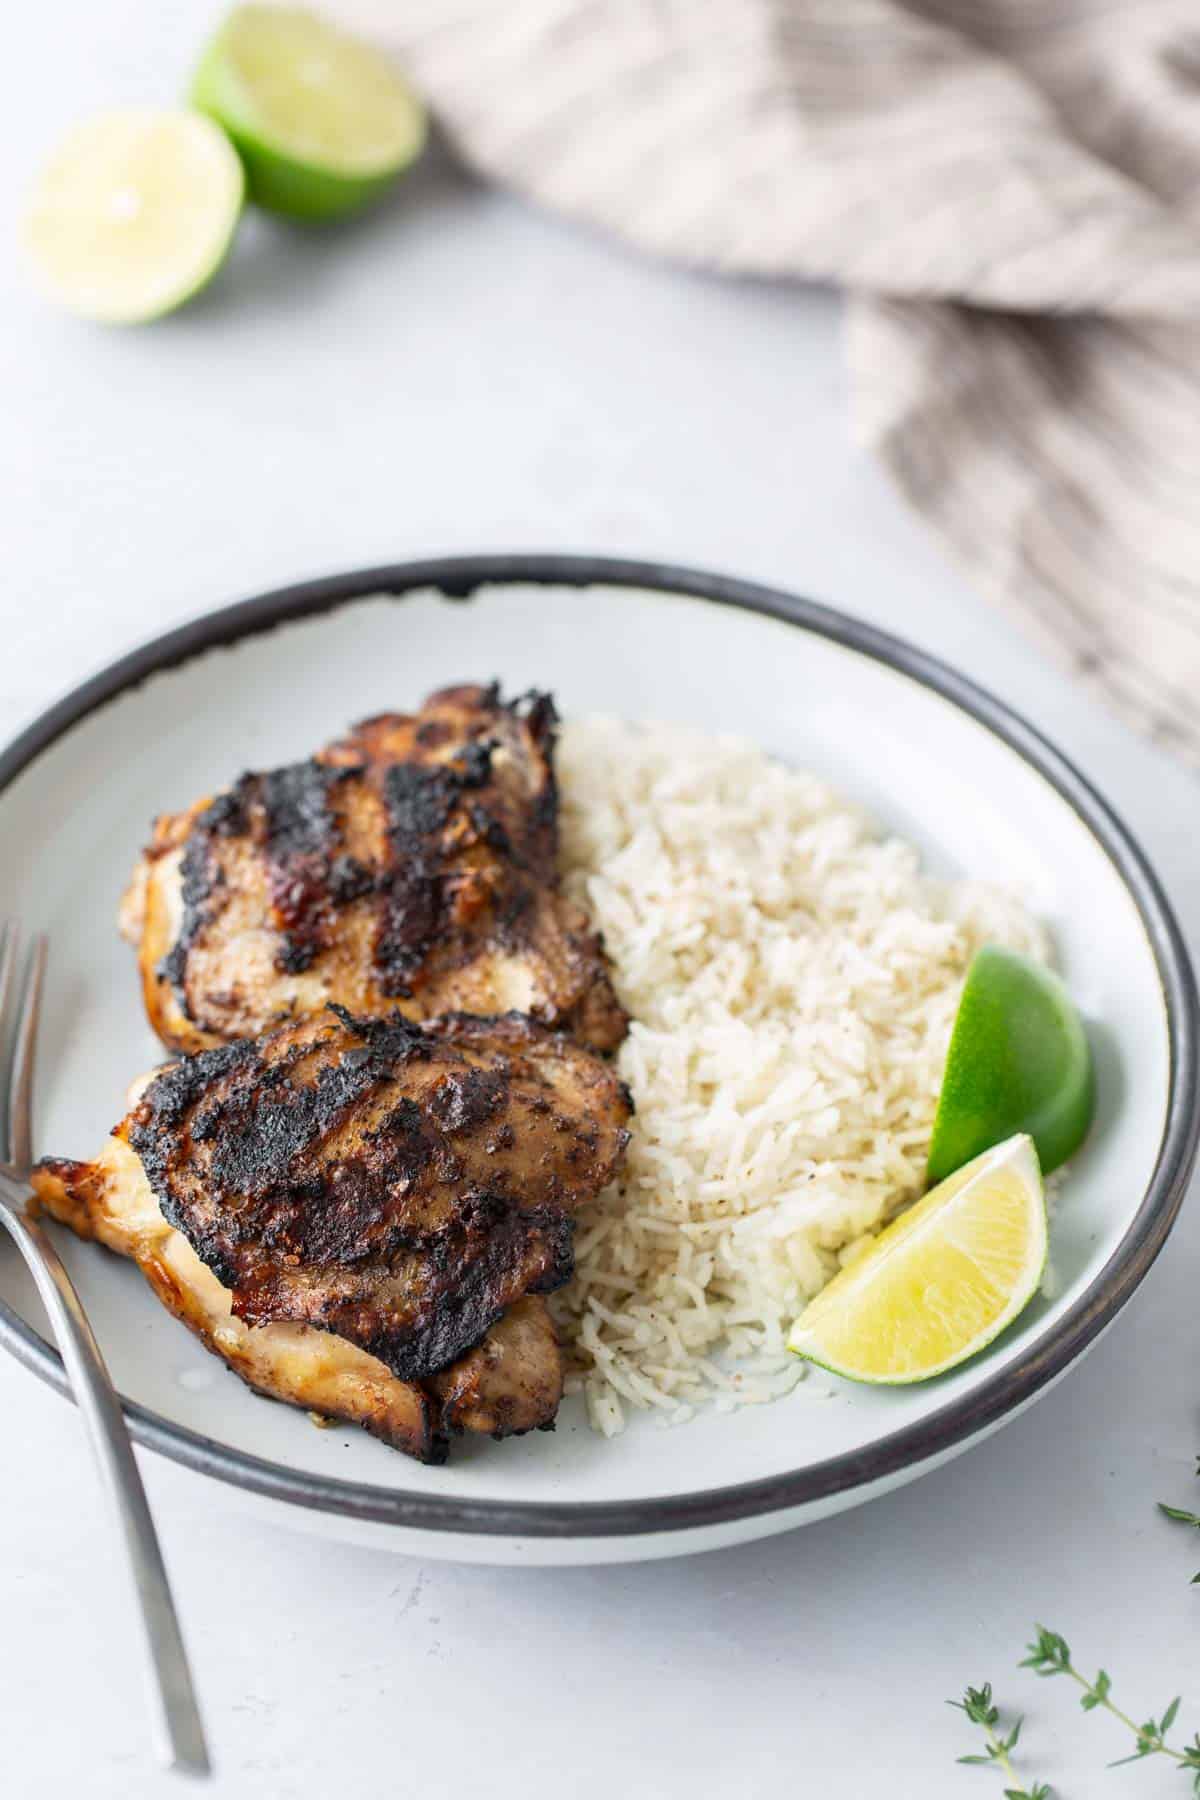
<point x="350" y="1189"/>
<point x="511" y="1383"/>
<point x="403" y="1189"/>
<point x="409" y="868"/>
<point x="399" y="1185"/>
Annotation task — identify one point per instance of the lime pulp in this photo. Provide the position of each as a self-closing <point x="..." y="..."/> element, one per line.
<point x="941" y="1282"/>
<point x="323" y="123"/>
<point x="134" y="213"/>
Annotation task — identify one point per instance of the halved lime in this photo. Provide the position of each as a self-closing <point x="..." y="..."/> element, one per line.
<point x="134" y="213"/>
<point x="322" y="121"/>
<point x="941" y="1281"/>
<point x="1019" y="1060"/>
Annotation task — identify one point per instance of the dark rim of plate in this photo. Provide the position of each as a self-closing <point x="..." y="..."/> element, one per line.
<point x="457" y="578"/>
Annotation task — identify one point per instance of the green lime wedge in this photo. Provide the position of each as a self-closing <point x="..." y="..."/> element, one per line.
<point x="134" y="213"/>
<point x="323" y="122"/>
<point x="1019" y="1061"/>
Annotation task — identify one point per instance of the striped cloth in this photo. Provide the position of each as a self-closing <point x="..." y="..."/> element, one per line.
<point x="1009" y="190"/>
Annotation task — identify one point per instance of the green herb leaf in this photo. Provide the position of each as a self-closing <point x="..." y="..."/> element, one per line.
<point x="1050" y="1654"/>
<point x="980" y="1707"/>
<point x="977" y="1704"/>
<point x="1180" y="1514"/>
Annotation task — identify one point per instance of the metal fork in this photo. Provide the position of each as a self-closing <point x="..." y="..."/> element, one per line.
<point x="179" y="1734"/>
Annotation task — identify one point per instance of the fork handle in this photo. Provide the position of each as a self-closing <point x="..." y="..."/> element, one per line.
<point x="178" y="1732"/>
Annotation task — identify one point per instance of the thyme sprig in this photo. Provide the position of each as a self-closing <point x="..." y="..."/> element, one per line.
<point x="1050" y="1654"/>
<point x="980" y="1708"/>
<point x="1182" y="1517"/>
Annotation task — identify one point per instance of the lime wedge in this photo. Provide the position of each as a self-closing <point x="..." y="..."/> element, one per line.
<point x="941" y="1281"/>
<point x="322" y="121"/>
<point x="134" y="213"/>
<point x="1019" y="1060"/>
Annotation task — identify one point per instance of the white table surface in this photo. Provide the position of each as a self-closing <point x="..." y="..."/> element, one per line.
<point x="452" y="374"/>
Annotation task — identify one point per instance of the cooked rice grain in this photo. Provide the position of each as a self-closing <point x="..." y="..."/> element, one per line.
<point x="792" y="978"/>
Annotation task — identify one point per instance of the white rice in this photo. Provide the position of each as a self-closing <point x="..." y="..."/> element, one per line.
<point x="792" y="977"/>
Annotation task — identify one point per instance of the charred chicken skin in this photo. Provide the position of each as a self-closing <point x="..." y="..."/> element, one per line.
<point x="409" y="868"/>
<point x="359" y="1214"/>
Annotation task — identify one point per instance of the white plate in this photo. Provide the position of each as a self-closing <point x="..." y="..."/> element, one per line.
<point x="937" y="760"/>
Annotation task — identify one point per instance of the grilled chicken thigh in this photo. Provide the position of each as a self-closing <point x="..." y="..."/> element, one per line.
<point x="362" y="1176"/>
<point x="408" y="1191"/>
<point x="409" y="868"/>
<point x="510" y="1383"/>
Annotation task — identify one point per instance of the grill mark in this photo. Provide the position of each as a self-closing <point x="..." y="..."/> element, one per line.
<point x="261" y="1124"/>
<point x="463" y="1285"/>
<point x="163" y="1108"/>
<point x="466" y="1312"/>
<point x="235" y="1145"/>
<point x="301" y="836"/>
<point x="295" y="802"/>
<point x="435" y="893"/>
<point x="200" y="876"/>
<point x="416" y="889"/>
<point x="288" y="812"/>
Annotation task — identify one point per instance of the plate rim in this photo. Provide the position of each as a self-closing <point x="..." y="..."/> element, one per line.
<point x="952" y="1426"/>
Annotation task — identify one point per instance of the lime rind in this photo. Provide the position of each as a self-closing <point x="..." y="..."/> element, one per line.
<point x="323" y="124"/>
<point x="1019" y="1061"/>
<point x="929" y="1216"/>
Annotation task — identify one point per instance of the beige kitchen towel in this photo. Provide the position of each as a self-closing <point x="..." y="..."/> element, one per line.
<point x="1008" y="189"/>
